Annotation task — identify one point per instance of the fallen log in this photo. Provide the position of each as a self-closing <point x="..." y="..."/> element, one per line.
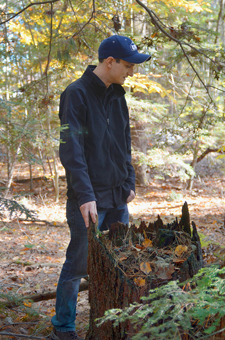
<point x="124" y="264"/>
<point x="40" y="297"/>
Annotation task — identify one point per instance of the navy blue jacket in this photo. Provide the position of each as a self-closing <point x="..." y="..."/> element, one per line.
<point x="95" y="146"/>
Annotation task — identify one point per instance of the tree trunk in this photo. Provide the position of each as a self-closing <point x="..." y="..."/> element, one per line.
<point x="111" y="286"/>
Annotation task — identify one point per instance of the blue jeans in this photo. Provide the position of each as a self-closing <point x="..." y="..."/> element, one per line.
<point x="75" y="266"/>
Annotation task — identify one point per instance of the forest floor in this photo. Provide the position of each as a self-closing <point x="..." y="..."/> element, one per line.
<point x="32" y="253"/>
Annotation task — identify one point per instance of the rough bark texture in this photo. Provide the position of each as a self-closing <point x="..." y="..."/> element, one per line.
<point x="110" y="288"/>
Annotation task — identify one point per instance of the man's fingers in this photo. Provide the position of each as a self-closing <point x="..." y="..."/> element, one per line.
<point x="93" y="217"/>
<point x="86" y="209"/>
<point x="131" y="196"/>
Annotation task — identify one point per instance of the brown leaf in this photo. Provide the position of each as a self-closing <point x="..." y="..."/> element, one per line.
<point x="164" y="270"/>
<point x="178" y="260"/>
<point x="145" y="267"/>
<point x="122" y="256"/>
<point x="138" y="247"/>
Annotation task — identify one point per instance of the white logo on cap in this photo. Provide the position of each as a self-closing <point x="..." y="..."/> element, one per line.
<point x="133" y="47"/>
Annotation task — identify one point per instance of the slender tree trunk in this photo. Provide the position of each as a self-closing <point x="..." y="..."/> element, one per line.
<point x="220" y="20"/>
<point x="190" y="181"/>
<point x="7" y="91"/>
<point x="56" y="177"/>
<point x="52" y="153"/>
<point x="31" y="177"/>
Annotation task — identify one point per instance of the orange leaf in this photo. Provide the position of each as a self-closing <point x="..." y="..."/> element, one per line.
<point x="145" y="267"/>
<point x="180" y="250"/>
<point x="178" y="260"/>
<point x="147" y="243"/>
<point x="139" y="281"/>
<point x="138" y="247"/>
<point x="153" y="35"/>
<point x="27" y="303"/>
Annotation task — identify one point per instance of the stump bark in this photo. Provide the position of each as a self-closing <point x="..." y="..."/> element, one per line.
<point x="111" y="285"/>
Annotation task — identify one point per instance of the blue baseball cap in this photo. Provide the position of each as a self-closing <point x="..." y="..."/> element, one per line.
<point x="120" y="47"/>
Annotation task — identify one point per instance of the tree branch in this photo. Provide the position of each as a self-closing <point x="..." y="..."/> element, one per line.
<point x="92" y="16"/>
<point x="155" y="22"/>
<point x="41" y="297"/>
<point x="206" y="152"/>
<point x="192" y="83"/>
<point x="50" y="47"/>
<point x="21" y="335"/>
<point x="25" y="8"/>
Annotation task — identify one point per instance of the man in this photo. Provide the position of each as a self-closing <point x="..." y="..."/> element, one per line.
<point x="95" y="150"/>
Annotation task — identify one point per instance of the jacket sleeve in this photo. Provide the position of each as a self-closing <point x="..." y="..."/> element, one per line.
<point x="131" y="173"/>
<point x="71" y="151"/>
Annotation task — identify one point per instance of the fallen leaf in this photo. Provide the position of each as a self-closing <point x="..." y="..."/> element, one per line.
<point x="145" y="267"/>
<point x="138" y="247"/>
<point x="164" y="269"/>
<point x="168" y="252"/>
<point x="178" y="260"/>
<point x="147" y="243"/>
<point x="27" y="303"/>
<point x="139" y="281"/>
<point x="122" y="256"/>
<point x="180" y="250"/>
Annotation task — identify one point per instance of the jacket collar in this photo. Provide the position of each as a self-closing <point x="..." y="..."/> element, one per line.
<point x="98" y="86"/>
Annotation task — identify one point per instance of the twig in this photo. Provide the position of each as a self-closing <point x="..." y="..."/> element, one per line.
<point x="192" y="83"/>
<point x="91" y="17"/>
<point x="33" y="220"/>
<point x="173" y="207"/>
<point x="195" y="71"/>
<point x="216" y="88"/>
<point x="25" y="8"/>
<point x="21" y="335"/>
<point x="210" y="335"/>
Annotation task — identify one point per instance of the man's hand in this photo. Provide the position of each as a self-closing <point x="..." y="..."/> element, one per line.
<point x="86" y="208"/>
<point x="131" y="196"/>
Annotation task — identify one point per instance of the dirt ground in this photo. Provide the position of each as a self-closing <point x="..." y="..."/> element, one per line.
<point x="32" y="253"/>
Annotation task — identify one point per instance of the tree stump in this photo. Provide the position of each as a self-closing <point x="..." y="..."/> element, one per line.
<point x="124" y="264"/>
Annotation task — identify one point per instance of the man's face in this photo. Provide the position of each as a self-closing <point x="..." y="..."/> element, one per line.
<point x="120" y="71"/>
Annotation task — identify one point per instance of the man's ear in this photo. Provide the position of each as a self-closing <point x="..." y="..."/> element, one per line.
<point x="109" y="62"/>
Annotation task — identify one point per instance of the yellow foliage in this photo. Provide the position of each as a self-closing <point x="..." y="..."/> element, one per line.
<point x="142" y="83"/>
<point x="190" y="6"/>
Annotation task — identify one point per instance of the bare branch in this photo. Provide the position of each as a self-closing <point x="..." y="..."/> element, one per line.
<point x="91" y="17"/>
<point x="21" y="335"/>
<point x="50" y="46"/>
<point x="25" y="8"/>
<point x="195" y="71"/>
<point x="155" y="22"/>
<point x="206" y="152"/>
<point x="216" y="88"/>
<point x="188" y="95"/>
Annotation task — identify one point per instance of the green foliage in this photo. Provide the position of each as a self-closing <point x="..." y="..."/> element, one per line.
<point x="175" y="309"/>
<point x="174" y="196"/>
<point x="14" y="209"/>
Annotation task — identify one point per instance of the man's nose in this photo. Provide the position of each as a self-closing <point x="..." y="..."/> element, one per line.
<point x="131" y="71"/>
